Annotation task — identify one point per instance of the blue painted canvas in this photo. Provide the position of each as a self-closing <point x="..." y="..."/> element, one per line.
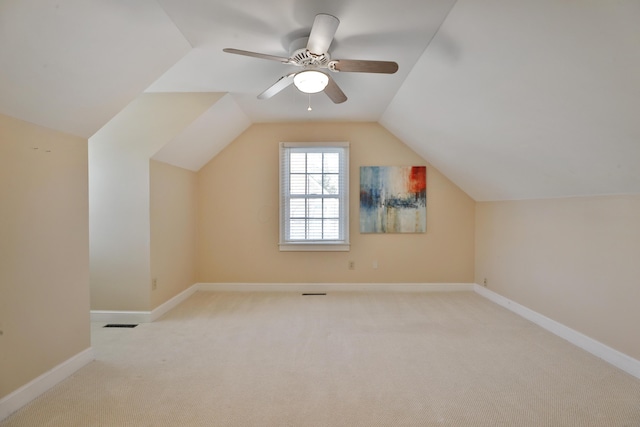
<point x="393" y="199"/>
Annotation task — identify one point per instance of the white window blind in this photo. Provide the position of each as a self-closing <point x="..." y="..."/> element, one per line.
<point x="314" y="200"/>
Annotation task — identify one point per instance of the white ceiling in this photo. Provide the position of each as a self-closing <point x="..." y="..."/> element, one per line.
<point x="541" y="100"/>
<point x="511" y="99"/>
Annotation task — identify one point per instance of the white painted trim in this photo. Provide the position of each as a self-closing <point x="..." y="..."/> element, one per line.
<point x="165" y="307"/>
<point x="334" y="287"/>
<point x="107" y="316"/>
<point x="314" y="247"/>
<point x="598" y="349"/>
<point x="25" y="394"/>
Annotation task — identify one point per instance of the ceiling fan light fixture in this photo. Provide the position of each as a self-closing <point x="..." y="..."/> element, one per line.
<point x="311" y="81"/>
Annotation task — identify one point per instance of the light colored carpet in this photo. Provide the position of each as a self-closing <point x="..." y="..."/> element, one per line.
<point x="344" y="359"/>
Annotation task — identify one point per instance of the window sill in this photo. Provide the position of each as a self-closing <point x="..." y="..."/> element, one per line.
<point x="314" y="247"/>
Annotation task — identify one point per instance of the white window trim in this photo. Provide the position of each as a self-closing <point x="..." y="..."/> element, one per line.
<point x="315" y="245"/>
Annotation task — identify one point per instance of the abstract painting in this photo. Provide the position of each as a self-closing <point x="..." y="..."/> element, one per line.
<point x="393" y="199"/>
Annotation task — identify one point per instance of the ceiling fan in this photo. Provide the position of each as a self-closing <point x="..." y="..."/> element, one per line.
<point x="312" y="54"/>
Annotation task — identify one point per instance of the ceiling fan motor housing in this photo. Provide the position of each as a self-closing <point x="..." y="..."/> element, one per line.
<point x="299" y="55"/>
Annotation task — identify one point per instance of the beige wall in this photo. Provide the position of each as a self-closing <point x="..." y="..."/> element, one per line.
<point x="574" y="260"/>
<point x="44" y="251"/>
<point x="173" y="199"/>
<point x="238" y="216"/>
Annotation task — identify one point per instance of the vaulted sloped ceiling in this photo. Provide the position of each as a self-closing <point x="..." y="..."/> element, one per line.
<point x="206" y="136"/>
<point x="539" y="99"/>
<point x="72" y="65"/>
<point x="510" y="99"/>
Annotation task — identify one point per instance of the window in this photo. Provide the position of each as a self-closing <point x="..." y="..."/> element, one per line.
<point x="314" y="199"/>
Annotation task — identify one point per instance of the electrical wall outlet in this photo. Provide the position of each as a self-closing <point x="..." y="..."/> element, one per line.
<point x="484" y="282"/>
<point x="154" y="284"/>
<point x="352" y="265"/>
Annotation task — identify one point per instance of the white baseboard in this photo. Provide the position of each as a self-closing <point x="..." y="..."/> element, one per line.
<point x="135" y="317"/>
<point x="604" y="352"/>
<point x="25" y="394"/>
<point x="165" y="307"/>
<point x="612" y="356"/>
<point x="33" y="389"/>
<point x="108" y="316"/>
<point x="334" y="287"/>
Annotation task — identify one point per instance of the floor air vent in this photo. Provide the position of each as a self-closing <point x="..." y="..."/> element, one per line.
<point x="120" y="325"/>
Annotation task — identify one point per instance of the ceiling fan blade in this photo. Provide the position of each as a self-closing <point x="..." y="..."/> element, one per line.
<point x="361" y="66"/>
<point x="322" y="32"/>
<point x="257" y="55"/>
<point x="334" y="92"/>
<point x="282" y="83"/>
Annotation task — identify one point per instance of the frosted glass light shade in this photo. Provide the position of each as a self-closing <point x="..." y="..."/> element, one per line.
<point x="311" y="81"/>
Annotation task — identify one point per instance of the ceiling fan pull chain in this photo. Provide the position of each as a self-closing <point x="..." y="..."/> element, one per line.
<point x="309" y="108"/>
